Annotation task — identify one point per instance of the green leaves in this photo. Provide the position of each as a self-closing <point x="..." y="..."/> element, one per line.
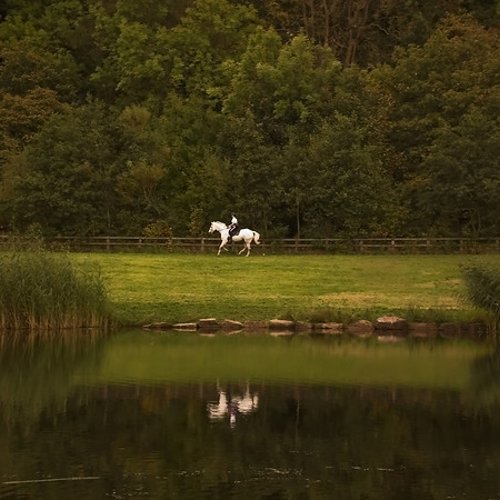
<point x="65" y="181"/>
<point x="118" y="114"/>
<point x="444" y="123"/>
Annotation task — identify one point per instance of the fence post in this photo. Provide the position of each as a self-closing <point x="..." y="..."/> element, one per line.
<point x="108" y="244"/>
<point x="203" y="245"/>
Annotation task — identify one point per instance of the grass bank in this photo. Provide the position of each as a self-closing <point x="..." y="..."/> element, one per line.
<point x="166" y="287"/>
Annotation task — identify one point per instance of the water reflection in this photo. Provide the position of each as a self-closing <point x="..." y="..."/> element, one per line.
<point x="485" y="379"/>
<point x="37" y="373"/>
<point x="230" y="404"/>
<point x="149" y="416"/>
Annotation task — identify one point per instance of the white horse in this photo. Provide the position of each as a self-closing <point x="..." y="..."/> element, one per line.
<point x="230" y="406"/>
<point x="245" y="235"/>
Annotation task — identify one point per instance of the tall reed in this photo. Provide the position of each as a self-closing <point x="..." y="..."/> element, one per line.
<point x="483" y="290"/>
<point x="44" y="291"/>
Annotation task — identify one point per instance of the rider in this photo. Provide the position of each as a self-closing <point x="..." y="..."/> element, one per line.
<point x="233" y="227"/>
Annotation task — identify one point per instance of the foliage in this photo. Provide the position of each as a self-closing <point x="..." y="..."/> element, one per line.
<point x="157" y="229"/>
<point x="66" y="175"/>
<point x="447" y="144"/>
<point x="306" y="119"/>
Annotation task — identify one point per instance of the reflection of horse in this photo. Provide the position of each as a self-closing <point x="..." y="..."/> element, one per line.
<point x="245" y="235"/>
<point x="229" y="406"/>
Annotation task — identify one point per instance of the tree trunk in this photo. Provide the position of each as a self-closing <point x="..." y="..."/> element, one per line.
<point x="357" y="16"/>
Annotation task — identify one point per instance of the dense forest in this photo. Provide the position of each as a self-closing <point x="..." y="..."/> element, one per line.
<point x="306" y="118"/>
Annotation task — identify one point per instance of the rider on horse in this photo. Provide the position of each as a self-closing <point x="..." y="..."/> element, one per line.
<point x="233" y="227"/>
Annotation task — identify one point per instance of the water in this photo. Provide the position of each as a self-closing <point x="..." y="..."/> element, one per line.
<point x="185" y="416"/>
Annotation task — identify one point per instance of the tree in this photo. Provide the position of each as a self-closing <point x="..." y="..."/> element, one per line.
<point x="462" y="176"/>
<point x="67" y="179"/>
<point x="365" y="32"/>
<point x="436" y="93"/>
<point x="211" y="34"/>
<point x="282" y="86"/>
<point x="351" y="192"/>
<point x="25" y="68"/>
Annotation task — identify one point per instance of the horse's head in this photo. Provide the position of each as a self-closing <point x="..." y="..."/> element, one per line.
<point x="217" y="226"/>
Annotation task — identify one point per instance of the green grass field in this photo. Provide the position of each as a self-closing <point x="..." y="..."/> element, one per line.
<point x="166" y="287"/>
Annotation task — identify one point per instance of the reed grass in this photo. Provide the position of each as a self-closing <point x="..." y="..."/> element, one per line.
<point x="482" y="284"/>
<point x="45" y="291"/>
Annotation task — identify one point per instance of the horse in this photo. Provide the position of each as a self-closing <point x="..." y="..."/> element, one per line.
<point x="245" y="235"/>
<point x="230" y="406"/>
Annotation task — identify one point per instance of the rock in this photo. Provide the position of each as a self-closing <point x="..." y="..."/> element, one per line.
<point x="256" y="325"/>
<point x="229" y="324"/>
<point x="329" y="328"/>
<point x="191" y="327"/>
<point x="208" y="324"/>
<point x="449" y="330"/>
<point x="281" y="324"/>
<point x="422" y="329"/>
<point x="303" y="326"/>
<point x="159" y="325"/>
<point x="474" y="330"/>
<point x="362" y="327"/>
<point x="456" y="330"/>
<point x="391" y="323"/>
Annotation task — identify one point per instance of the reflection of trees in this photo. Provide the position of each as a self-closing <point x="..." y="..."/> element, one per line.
<point x="485" y="379"/>
<point x="303" y="442"/>
<point x="37" y="379"/>
<point x="37" y="372"/>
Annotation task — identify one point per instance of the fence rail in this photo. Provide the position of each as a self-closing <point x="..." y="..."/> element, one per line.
<point x="275" y="245"/>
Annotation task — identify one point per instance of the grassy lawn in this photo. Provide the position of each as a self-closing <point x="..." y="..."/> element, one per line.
<point x="166" y="287"/>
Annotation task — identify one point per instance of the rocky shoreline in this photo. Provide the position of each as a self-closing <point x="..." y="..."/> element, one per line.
<point x="385" y="328"/>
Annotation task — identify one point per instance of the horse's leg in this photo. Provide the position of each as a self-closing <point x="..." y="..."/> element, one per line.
<point x="245" y="247"/>
<point x="221" y="246"/>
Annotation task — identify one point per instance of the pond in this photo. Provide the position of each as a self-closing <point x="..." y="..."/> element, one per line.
<point x="188" y="416"/>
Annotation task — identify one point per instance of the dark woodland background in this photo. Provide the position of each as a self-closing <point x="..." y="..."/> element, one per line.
<point x="306" y="118"/>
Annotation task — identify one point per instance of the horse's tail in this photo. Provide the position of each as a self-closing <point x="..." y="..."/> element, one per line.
<point x="256" y="237"/>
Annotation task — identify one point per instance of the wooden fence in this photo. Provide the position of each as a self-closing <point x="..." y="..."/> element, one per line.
<point x="275" y="246"/>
